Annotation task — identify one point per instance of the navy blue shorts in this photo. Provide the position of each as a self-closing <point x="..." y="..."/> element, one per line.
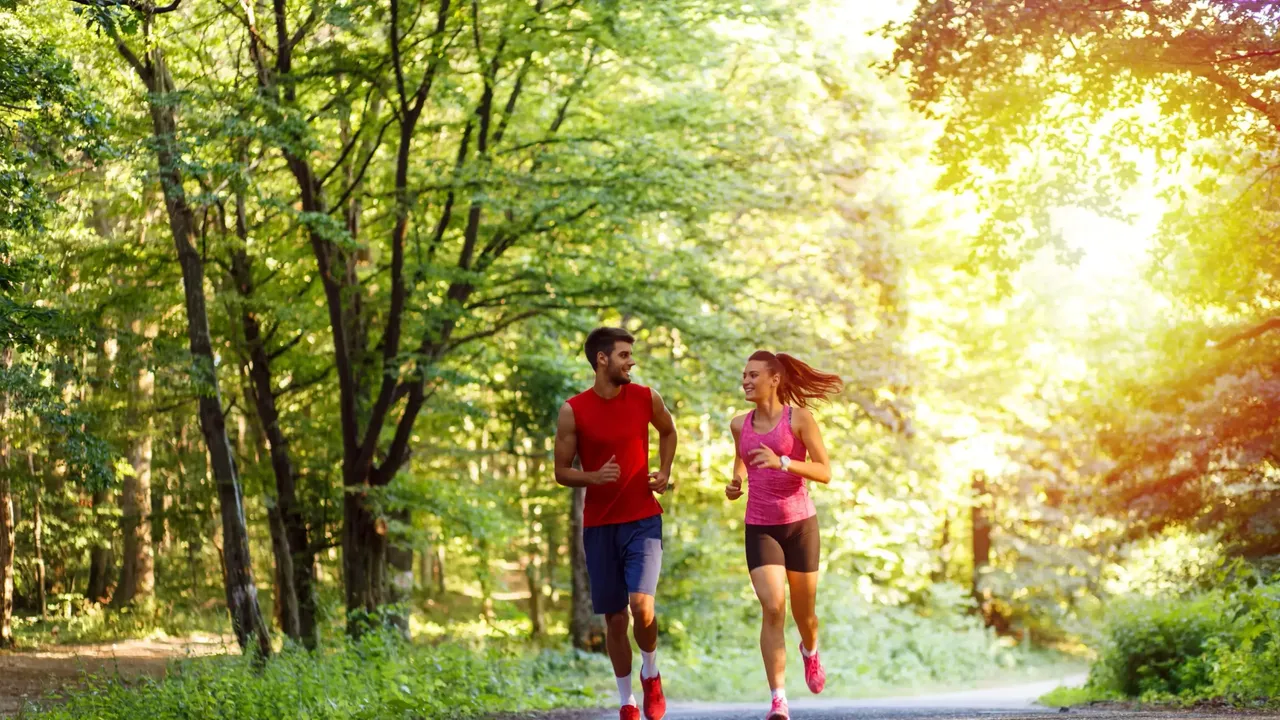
<point x="621" y="559"/>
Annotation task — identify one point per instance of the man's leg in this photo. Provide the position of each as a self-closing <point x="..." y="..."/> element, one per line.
<point x="641" y="543"/>
<point x="617" y="642"/>
<point x="609" y="598"/>
<point x="646" y="627"/>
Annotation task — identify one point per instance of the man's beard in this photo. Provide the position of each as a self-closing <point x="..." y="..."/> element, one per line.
<point x="620" y="378"/>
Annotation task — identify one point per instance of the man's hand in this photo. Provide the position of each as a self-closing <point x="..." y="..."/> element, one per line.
<point x="609" y="472"/>
<point x="733" y="490"/>
<point x="660" y="482"/>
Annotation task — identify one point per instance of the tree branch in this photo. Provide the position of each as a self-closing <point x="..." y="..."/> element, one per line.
<point x="497" y="327"/>
<point x="1251" y="333"/>
<point x="287" y="346"/>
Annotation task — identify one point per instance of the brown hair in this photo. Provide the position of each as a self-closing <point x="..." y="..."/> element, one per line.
<point x="602" y="340"/>
<point x="800" y="383"/>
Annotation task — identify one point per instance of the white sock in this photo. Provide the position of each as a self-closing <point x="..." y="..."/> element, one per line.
<point x="624" y="691"/>
<point x="806" y="651"/>
<point x="780" y="694"/>
<point x="648" y="664"/>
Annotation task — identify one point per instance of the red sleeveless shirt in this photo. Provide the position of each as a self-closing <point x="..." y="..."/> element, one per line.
<point x="617" y="427"/>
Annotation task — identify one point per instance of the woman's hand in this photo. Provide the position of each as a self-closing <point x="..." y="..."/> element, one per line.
<point x="763" y="457"/>
<point x="733" y="490"/>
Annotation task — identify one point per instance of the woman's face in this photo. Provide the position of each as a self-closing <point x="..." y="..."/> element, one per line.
<point x="758" y="382"/>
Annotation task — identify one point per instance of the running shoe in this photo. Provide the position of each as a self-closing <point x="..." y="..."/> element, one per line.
<point x="655" y="703"/>
<point x="814" y="675"/>
<point x="778" y="711"/>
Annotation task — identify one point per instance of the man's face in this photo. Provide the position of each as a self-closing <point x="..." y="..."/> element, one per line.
<point x="618" y="367"/>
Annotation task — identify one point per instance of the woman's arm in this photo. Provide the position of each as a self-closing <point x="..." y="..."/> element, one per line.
<point x="733" y="490"/>
<point x="818" y="468"/>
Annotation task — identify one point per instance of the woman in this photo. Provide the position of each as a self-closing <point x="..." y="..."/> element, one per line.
<point x="779" y="446"/>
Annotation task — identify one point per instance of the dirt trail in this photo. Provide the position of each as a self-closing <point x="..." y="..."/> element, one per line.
<point x="27" y="675"/>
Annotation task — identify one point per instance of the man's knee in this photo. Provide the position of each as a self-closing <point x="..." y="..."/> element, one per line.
<point x="642" y="608"/>
<point x="619" y="621"/>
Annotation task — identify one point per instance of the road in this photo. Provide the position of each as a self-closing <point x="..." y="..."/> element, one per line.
<point x="1008" y="703"/>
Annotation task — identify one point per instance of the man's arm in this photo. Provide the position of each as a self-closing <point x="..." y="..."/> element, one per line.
<point x="567" y="450"/>
<point x="666" y="427"/>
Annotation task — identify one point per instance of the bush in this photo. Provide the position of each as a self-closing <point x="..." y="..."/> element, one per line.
<point x="378" y="677"/>
<point x="1157" y="647"/>
<point x="1222" y="644"/>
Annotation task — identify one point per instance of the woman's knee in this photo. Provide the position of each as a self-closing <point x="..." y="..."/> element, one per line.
<point x="775" y="613"/>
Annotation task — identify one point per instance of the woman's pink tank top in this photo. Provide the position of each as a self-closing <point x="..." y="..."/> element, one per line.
<point x="775" y="497"/>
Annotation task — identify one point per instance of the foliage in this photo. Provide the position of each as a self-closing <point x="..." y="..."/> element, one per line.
<point x="1218" y="644"/>
<point x="91" y="623"/>
<point x="938" y="644"/>
<point x="1165" y="109"/>
<point x="379" y="677"/>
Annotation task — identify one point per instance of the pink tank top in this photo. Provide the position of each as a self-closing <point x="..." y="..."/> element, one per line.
<point x="775" y="497"/>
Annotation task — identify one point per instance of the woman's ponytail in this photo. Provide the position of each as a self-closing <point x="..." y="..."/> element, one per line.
<point x="800" y="384"/>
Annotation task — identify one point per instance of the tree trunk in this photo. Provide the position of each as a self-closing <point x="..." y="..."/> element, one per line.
<point x="982" y="552"/>
<point x="100" y="559"/>
<point x="137" y="563"/>
<point x="981" y="535"/>
<point x="7" y="537"/>
<point x="364" y="561"/>
<point x="438" y="569"/>
<point x="297" y="539"/>
<point x="585" y="628"/>
<point x="425" y="569"/>
<point x="242" y="593"/>
<point x="400" y="565"/>
<point x="535" y="597"/>
<point x="37" y="533"/>
<point x="286" y="592"/>
<point x="939" y="573"/>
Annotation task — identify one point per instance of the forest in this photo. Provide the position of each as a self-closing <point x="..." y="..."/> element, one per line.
<point x="291" y="293"/>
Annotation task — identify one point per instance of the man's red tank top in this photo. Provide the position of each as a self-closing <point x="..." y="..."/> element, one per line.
<point x="617" y="427"/>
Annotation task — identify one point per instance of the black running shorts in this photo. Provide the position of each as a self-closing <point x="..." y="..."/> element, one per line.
<point x="793" y="545"/>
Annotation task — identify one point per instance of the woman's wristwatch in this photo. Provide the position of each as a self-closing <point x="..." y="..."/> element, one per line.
<point x="785" y="462"/>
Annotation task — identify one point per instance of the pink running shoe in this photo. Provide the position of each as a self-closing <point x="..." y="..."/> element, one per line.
<point x="814" y="675"/>
<point x="655" y="703"/>
<point x="778" y="711"/>
<point x="629" y="712"/>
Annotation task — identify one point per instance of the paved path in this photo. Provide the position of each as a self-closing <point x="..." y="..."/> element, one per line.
<point x="1008" y="703"/>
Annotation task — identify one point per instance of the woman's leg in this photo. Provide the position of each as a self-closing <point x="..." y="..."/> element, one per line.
<point x="804" y="593"/>
<point x="768" y="581"/>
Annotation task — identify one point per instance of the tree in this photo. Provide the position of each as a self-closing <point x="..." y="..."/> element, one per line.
<point x="508" y="157"/>
<point x="43" y="116"/>
<point x="1078" y="103"/>
<point x="152" y="69"/>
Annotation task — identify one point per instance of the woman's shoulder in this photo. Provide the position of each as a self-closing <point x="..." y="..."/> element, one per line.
<point x="738" y="422"/>
<point x="800" y="417"/>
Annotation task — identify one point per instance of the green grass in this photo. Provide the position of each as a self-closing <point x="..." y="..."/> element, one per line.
<point x="1072" y="696"/>
<point x="96" y="624"/>
<point x="379" y="677"/>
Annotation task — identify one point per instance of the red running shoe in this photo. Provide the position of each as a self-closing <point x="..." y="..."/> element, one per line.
<point x="814" y="675"/>
<point x="655" y="703"/>
<point x="778" y="711"/>
<point x="629" y="712"/>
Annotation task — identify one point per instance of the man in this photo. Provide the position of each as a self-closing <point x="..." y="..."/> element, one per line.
<point x="607" y="428"/>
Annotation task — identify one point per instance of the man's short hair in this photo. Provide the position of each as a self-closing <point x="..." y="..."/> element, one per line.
<point x="602" y="339"/>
